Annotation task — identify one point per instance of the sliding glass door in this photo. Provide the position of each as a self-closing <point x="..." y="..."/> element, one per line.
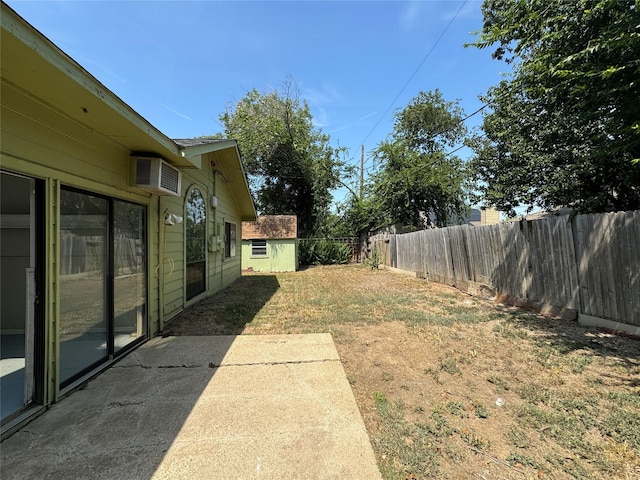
<point x="84" y="289"/>
<point x="130" y="280"/>
<point x="103" y="292"/>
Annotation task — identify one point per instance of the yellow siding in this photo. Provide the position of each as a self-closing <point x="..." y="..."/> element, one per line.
<point x="39" y="141"/>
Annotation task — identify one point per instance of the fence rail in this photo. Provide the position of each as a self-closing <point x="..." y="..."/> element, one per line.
<point x="587" y="266"/>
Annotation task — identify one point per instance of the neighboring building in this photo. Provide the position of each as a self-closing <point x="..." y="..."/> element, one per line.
<point x="108" y="228"/>
<point x="270" y="244"/>
<point x="483" y="216"/>
<point x="476" y="216"/>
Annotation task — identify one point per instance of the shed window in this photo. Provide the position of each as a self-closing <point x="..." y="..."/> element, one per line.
<point x="230" y="239"/>
<point x="258" y="248"/>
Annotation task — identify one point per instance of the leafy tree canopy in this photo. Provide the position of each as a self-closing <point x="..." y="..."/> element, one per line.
<point x="291" y="166"/>
<point x="418" y="183"/>
<point x="564" y="129"/>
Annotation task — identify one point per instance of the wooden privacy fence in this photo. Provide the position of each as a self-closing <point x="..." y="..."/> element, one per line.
<point x="587" y="267"/>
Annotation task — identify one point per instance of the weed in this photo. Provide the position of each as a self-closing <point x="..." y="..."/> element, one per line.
<point x="578" y="363"/>
<point x="434" y="373"/>
<point x="532" y="393"/>
<point x="622" y="426"/>
<point x="509" y="332"/>
<point x="375" y="259"/>
<point x="441" y="426"/>
<point x="500" y="383"/>
<point x="404" y="450"/>
<point x="450" y="366"/>
<point x="631" y="399"/>
<point x="474" y="440"/>
<point x="457" y="409"/>
<point x="568" y="465"/>
<point x="518" y="438"/>
<point x="480" y="410"/>
<point x="386" y="377"/>
<point x="516" y="459"/>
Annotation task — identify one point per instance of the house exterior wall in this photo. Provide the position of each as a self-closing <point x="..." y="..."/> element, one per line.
<point x="40" y="142"/>
<point x="282" y="256"/>
<point x="221" y="271"/>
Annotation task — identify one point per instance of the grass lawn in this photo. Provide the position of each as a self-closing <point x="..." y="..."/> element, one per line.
<point x="448" y="385"/>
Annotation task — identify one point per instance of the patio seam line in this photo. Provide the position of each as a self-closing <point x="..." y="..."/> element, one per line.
<point x="220" y="365"/>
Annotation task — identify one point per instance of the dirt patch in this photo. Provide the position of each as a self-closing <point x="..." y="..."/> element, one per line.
<point x="452" y="386"/>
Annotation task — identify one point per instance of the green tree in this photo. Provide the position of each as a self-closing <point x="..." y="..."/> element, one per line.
<point x="564" y="127"/>
<point x="418" y="183"/>
<point x="356" y="215"/>
<point x="291" y="166"/>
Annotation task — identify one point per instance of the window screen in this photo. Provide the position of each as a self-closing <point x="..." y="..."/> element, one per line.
<point x="258" y="248"/>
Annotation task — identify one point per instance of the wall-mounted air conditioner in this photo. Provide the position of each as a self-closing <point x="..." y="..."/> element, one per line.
<point x="157" y="176"/>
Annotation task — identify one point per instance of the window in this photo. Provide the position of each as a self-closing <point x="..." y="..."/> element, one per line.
<point x="229" y="239"/>
<point x="258" y="248"/>
<point x="196" y="244"/>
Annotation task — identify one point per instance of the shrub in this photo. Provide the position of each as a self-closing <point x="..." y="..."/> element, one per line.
<point x="323" y="252"/>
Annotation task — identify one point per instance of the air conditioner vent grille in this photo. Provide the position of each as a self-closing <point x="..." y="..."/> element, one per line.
<point x="169" y="178"/>
<point x="156" y="176"/>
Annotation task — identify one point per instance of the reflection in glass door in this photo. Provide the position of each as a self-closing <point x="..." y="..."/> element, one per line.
<point x="129" y="290"/>
<point x="83" y="282"/>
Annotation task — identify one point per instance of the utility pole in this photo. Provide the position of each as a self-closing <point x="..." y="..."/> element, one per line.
<point x="361" y="172"/>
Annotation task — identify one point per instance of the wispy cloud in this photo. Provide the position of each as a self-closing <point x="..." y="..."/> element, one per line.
<point x="320" y="118"/>
<point x="97" y="69"/>
<point x="368" y="115"/>
<point x="409" y="17"/>
<point x="324" y="95"/>
<point x="182" y="115"/>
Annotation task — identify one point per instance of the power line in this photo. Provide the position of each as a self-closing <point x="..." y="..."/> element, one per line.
<point x="415" y="72"/>
<point x="462" y="120"/>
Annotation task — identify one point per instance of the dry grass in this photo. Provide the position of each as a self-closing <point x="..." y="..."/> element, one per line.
<point x="451" y="386"/>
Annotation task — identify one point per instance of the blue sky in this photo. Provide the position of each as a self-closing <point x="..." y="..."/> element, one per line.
<point x="180" y="63"/>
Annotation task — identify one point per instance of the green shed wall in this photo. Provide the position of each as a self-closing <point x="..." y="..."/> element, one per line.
<point x="282" y="256"/>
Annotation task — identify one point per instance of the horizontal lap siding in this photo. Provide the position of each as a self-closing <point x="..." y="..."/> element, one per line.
<point x="227" y="211"/>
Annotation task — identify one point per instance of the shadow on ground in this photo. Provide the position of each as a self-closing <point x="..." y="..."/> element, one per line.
<point x="228" y="312"/>
<point x="567" y="336"/>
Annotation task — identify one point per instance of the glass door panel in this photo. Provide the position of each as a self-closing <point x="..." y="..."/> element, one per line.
<point x="84" y="308"/>
<point x="18" y="292"/>
<point x="130" y="292"/>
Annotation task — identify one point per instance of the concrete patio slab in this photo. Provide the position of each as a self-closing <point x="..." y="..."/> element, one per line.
<point x="227" y="407"/>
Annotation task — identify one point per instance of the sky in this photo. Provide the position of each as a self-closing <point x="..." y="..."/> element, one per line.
<point x="179" y="64"/>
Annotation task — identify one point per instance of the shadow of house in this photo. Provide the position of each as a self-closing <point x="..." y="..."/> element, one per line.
<point x="229" y="311"/>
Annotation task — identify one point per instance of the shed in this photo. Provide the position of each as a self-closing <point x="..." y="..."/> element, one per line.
<point x="270" y="244"/>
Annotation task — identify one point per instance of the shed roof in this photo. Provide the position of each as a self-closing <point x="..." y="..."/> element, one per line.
<point x="271" y="227"/>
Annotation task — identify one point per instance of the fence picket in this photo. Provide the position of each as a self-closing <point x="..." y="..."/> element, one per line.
<point x="590" y="264"/>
